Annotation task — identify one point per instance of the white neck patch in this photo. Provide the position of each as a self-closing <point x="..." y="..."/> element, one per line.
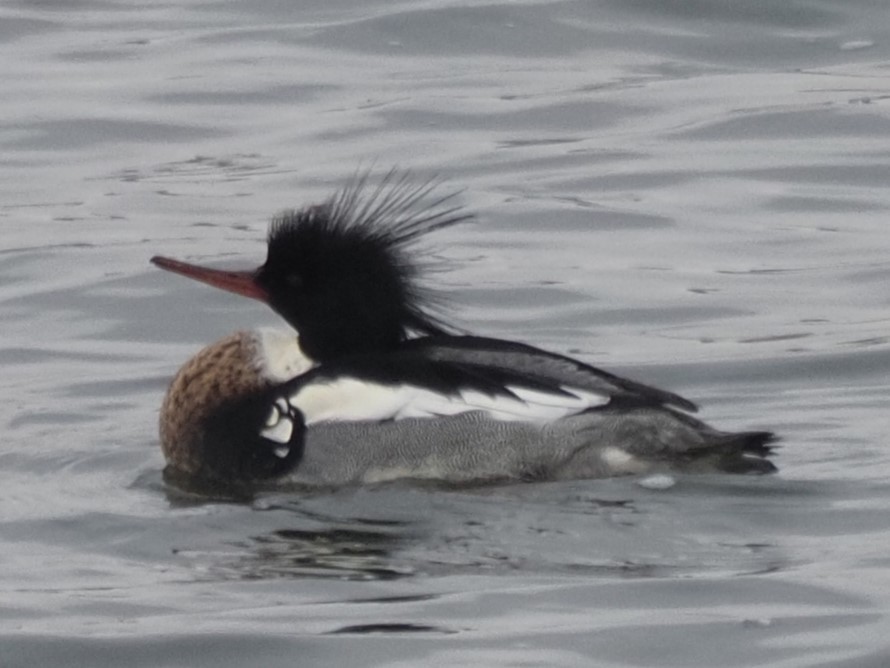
<point x="279" y="355"/>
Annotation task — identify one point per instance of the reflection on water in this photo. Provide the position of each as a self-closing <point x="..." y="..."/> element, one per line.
<point x="405" y="531"/>
<point x="389" y="629"/>
<point x="341" y="552"/>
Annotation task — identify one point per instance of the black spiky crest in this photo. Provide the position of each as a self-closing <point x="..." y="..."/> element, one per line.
<point x="341" y="272"/>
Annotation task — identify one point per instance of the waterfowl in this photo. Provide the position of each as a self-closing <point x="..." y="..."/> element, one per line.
<point x="372" y="384"/>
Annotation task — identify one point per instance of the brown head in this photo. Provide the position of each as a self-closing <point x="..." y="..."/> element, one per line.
<point x="214" y="411"/>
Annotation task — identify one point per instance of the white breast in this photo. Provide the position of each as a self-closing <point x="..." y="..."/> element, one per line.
<point x="279" y="355"/>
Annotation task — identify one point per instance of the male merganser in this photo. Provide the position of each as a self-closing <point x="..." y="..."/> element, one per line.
<point x="373" y="387"/>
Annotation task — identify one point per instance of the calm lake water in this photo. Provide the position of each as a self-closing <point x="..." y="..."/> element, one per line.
<point x="693" y="194"/>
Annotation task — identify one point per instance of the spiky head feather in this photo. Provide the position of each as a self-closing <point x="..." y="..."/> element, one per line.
<point x="342" y="272"/>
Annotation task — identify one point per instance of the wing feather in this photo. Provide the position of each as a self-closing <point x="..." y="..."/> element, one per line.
<point x="544" y="366"/>
<point x="353" y="399"/>
<point x="449" y="375"/>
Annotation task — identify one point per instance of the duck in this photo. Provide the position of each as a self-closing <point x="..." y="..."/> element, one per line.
<point x="371" y="384"/>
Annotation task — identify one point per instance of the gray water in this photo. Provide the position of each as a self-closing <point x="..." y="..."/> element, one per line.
<point x="690" y="193"/>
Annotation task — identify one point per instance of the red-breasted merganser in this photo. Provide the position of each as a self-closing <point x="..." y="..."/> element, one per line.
<point x="371" y="386"/>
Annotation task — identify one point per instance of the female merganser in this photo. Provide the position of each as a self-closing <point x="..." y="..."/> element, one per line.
<point x="373" y="387"/>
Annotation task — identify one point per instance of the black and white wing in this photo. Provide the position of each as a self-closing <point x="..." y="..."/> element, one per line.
<point x="545" y="367"/>
<point x="410" y="384"/>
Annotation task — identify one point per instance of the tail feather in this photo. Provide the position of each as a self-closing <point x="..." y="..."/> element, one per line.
<point x="684" y="443"/>
<point x="746" y="452"/>
<point x="760" y="443"/>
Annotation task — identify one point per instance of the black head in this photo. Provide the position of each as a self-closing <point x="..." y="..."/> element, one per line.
<point x="341" y="273"/>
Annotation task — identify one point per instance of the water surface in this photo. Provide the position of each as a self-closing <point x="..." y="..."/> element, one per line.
<point x="689" y="193"/>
